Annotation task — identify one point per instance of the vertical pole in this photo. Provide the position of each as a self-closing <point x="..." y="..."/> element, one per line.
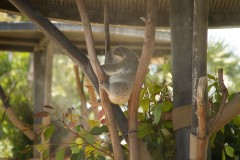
<point x="39" y="59"/>
<point x="181" y="20"/>
<point x="48" y="87"/>
<point x="199" y="62"/>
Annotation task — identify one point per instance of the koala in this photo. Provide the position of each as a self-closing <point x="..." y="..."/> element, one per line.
<point x="121" y="67"/>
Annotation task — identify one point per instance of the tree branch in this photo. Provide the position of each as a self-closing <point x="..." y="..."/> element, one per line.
<point x="106" y="104"/>
<point x="83" y="100"/>
<point x="13" y="117"/>
<point x="148" y="47"/>
<point x="223" y="90"/>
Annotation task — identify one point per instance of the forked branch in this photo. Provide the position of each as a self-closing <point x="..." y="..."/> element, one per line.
<point x="148" y="47"/>
<point x="101" y="78"/>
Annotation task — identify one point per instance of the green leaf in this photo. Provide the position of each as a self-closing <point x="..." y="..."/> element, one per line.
<point x="166" y="106"/>
<point x="156" y="89"/>
<point x="48" y="132"/>
<point x="144" y="103"/>
<point x="42" y="147"/>
<point x="229" y="151"/>
<point x="211" y="77"/>
<point x="157" y="113"/>
<point x="144" y="129"/>
<point x="215" y="84"/>
<point x="60" y="154"/>
<point x="78" y="156"/>
<point x="236" y="121"/>
<point x="223" y="155"/>
<point x="100" y="157"/>
<point x="89" y="149"/>
<point x="168" y="124"/>
<point x="79" y="141"/>
<point x="89" y="138"/>
<point x="98" y="130"/>
<point x="74" y="148"/>
<point x="78" y="128"/>
<point x="93" y="123"/>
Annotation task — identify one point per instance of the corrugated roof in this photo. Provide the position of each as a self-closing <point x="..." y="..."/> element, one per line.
<point x="128" y="12"/>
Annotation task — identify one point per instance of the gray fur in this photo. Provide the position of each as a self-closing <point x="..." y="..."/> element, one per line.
<point x="121" y="66"/>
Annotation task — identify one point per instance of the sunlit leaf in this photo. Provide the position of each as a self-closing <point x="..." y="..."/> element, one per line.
<point x="42" y="147"/>
<point x="144" y="103"/>
<point x="229" y="151"/>
<point x="48" y="132"/>
<point x="236" y="120"/>
<point x="74" y="148"/>
<point x="93" y="123"/>
<point x="79" y="141"/>
<point x="211" y="77"/>
<point x="89" y="149"/>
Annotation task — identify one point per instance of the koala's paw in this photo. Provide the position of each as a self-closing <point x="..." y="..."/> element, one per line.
<point x="104" y="86"/>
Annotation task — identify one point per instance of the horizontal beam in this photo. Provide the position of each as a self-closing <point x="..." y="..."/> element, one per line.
<point x="18" y="41"/>
<point x="16" y="48"/>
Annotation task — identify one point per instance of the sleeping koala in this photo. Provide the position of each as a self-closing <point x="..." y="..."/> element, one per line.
<point x="121" y="66"/>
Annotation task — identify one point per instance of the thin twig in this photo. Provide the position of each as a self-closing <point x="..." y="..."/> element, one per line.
<point x="82" y="97"/>
<point x="223" y="90"/>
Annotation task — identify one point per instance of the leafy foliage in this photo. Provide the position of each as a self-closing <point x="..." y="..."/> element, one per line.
<point x="13" y="78"/>
<point x="226" y="141"/>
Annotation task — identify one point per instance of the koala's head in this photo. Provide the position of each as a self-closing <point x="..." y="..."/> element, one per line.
<point x="119" y="53"/>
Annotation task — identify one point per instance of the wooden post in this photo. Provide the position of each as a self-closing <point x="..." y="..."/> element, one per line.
<point x="199" y="63"/>
<point x="47" y="87"/>
<point x="39" y="60"/>
<point x="181" y="16"/>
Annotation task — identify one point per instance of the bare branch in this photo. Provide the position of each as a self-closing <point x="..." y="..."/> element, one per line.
<point x="13" y="117"/>
<point x="101" y="78"/>
<point x="82" y="97"/>
<point x="148" y="47"/>
<point x="224" y="92"/>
